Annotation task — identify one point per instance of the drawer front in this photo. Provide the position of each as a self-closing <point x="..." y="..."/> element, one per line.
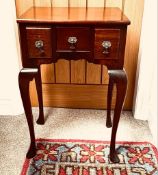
<point x="39" y="42"/>
<point x="73" y="39"/>
<point x="107" y="43"/>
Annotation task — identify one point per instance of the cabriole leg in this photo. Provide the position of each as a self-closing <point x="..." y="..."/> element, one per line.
<point x="120" y="79"/>
<point x="25" y="76"/>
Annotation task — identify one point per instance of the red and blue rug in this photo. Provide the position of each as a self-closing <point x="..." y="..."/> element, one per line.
<point x="81" y="157"/>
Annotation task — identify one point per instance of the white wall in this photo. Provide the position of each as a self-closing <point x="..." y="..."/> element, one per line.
<point x="146" y="86"/>
<point x="10" y="101"/>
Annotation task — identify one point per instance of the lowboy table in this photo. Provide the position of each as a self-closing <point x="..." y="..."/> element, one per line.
<point x="95" y="34"/>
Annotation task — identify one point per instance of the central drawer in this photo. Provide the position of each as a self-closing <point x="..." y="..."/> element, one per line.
<point x="73" y="39"/>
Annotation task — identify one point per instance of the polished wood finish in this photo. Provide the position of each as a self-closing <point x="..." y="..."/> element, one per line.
<point x="119" y="78"/>
<point x="133" y="9"/>
<point x="39" y="34"/>
<point x="72" y="54"/>
<point x="109" y="101"/>
<point x="40" y="97"/>
<point x="82" y="35"/>
<point x="73" y="39"/>
<point x="112" y="35"/>
<point x="24" y="81"/>
<point x="82" y="48"/>
<point x="74" y="14"/>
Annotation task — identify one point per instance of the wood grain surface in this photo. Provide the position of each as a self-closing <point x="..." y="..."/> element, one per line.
<point x="73" y="96"/>
<point x="78" y="71"/>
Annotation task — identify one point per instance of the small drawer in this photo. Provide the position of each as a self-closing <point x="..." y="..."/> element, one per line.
<point x="107" y="43"/>
<point x="39" y="42"/>
<point x="73" y="39"/>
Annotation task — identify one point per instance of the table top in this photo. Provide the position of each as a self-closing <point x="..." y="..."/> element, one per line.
<point x="74" y="14"/>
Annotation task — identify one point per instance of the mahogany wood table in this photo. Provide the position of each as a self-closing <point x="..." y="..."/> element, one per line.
<point x="96" y="34"/>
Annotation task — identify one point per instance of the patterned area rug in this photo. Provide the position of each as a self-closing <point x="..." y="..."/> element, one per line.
<point x="81" y="157"/>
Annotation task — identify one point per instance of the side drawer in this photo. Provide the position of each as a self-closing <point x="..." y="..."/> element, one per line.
<point x="39" y="42"/>
<point x="107" y="43"/>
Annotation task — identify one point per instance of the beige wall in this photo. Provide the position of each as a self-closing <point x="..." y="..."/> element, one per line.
<point x="10" y="101"/>
<point x="146" y="85"/>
